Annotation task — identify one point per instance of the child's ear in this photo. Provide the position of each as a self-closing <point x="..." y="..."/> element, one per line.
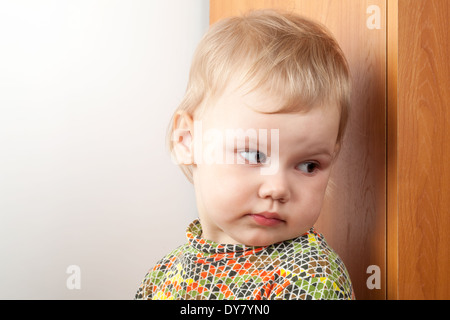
<point x="182" y="138"/>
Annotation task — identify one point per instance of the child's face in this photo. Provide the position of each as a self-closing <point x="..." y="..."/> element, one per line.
<point x="237" y="203"/>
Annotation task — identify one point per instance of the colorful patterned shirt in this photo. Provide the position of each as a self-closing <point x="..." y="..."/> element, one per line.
<point x="301" y="268"/>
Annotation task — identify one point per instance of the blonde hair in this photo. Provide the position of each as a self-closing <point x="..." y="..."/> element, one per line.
<point x="291" y="56"/>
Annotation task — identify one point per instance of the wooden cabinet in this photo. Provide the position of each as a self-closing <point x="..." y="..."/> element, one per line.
<point x="388" y="215"/>
<point x="418" y="215"/>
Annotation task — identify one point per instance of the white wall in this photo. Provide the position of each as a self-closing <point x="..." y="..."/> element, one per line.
<point x="87" y="89"/>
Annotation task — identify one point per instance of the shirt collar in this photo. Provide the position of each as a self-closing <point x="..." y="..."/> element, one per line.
<point x="194" y="236"/>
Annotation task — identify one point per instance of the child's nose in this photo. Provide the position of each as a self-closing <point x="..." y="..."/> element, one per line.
<point x="275" y="187"/>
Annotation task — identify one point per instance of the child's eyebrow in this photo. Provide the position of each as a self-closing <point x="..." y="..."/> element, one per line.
<point x="326" y="153"/>
<point x="318" y="152"/>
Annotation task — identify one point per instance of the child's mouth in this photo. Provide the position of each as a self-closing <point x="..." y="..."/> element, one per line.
<point x="268" y="219"/>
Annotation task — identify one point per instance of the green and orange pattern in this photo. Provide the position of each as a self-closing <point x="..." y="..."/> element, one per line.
<point x="301" y="268"/>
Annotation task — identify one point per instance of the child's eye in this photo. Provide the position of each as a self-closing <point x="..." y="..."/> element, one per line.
<point x="308" y="167"/>
<point x="254" y="157"/>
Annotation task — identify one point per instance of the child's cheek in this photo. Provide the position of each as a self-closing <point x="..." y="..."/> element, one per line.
<point x="233" y="185"/>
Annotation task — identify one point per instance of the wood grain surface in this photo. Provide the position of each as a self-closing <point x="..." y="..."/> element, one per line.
<point x="392" y="154"/>
<point x="423" y="149"/>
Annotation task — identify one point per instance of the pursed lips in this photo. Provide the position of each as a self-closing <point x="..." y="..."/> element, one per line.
<point x="267" y="218"/>
<point x="269" y="215"/>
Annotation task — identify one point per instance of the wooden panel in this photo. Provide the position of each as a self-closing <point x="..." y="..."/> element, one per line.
<point x="423" y="150"/>
<point x="354" y="218"/>
<point x="392" y="157"/>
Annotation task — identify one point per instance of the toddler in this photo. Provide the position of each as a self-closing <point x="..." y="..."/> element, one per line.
<point x="257" y="134"/>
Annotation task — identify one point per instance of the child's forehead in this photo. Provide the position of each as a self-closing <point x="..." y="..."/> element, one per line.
<point x="235" y="99"/>
<point x="261" y="105"/>
<point x="318" y="125"/>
